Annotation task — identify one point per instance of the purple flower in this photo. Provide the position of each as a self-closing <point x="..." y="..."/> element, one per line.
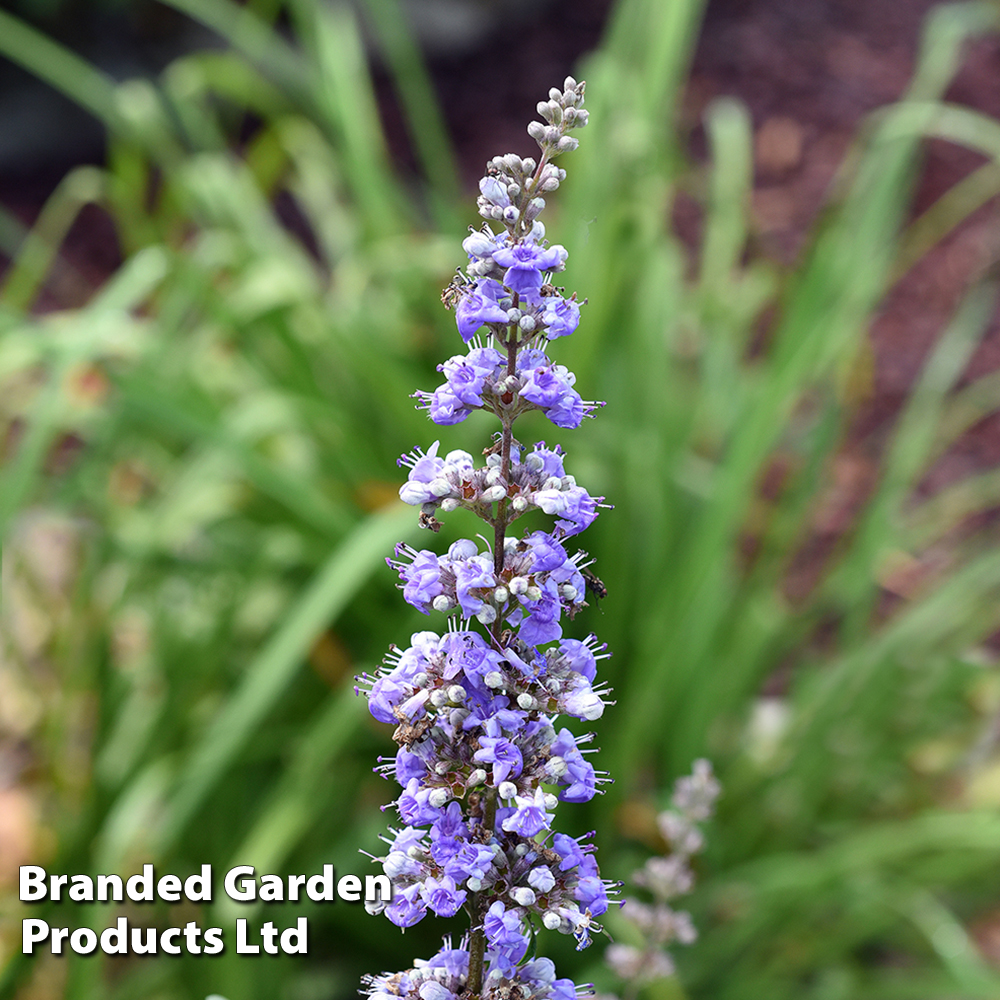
<point x="525" y="263"/>
<point x="502" y="754"/>
<point x="476" y="572"/>
<point x="560" y="317"/>
<point x="530" y="816"/>
<point x="444" y="407"/>
<point x="479" y="306"/>
<point x="443" y="896"/>
<point x="547" y="385"/>
<point x="406" y="908"/>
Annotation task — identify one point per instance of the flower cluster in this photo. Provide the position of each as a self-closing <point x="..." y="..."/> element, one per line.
<point x="657" y="924"/>
<point x="482" y="762"/>
<point x="481" y="380"/>
<point x="536" y="480"/>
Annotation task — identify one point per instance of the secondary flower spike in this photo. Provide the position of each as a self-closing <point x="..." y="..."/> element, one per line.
<point x="482" y="761"/>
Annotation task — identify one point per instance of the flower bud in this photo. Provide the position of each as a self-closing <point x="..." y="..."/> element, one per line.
<point x="474" y="884"/>
<point x="442" y="603"/>
<point x="419" y="679"/>
<point x="477" y="777"/>
<point x="493" y="493"/>
<point x="556" y="767"/>
<point x="567" y="144"/>
<point x="518" y="586"/>
<point x="550" y="801"/>
<point x="522" y="895"/>
<point x="533" y="593"/>
<point x="500" y="595"/>
<point x="536" y="130"/>
<point x="519" y="504"/>
<point x="438" y="798"/>
<point x="526" y="323"/>
<point x="438" y="698"/>
<point x="487" y="615"/>
<point x="551" y="920"/>
<point x="568" y="591"/>
<point x="449" y="504"/>
<point x="507" y="790"/>
<point x="525" y="701"/>
<point x="457" y="694"/>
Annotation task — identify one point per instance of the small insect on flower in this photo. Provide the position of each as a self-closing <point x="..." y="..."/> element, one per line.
<point x="594" y="584"/>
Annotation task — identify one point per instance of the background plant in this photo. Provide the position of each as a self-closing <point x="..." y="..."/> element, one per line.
<point x="195" y="498"/>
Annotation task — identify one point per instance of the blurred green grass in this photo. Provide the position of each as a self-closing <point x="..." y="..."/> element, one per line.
<point x="209" y="443"/>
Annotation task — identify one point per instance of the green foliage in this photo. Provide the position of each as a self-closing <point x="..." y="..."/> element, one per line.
<point x="210" y="440"/>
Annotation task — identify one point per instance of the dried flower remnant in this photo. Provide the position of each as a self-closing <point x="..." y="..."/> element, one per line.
<point x="482" y="761"/>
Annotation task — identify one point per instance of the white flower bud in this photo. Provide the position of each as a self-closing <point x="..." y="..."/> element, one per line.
<point x="533" y="593"/>
<point x="493" y="679"/>
<point x="438" y="697"/>
<point x="550" y="801"/>
<point x="528" y="165"/>
<point x="519" y="504"/>
<point x="525" y="701"/>
<point x="526" y="323"/>
<point x="518" y="586"/>
<point x="440" y="488"/>
<point x="567" y="144"/>
<point x="493" y="475"/>
<point x="568" y="591"/>
<point x="441" y="767"/>
<point x="509" y="544"/>
<point x="474" y="884"/>
<point x="442" y="603"/>
<point x="551" y="920"/>
<point x="493" y="493"/>
<point x="534" y="462"/>
<point x="456" y="694"/>
<point x="522" y="895"/>
<point x="556" y="767"/>
<point x="552" y="483"/>
<point x="500" y="595"/>
<point x="450" y="503"/>
<point x="477" y="777"/>
<point x="494" y="461"/>
<point x="507" y="790"/>
<point x="537" y="131"/>
<point x="521" y="850"/>
<point x="487" y="615"/>
<point x="438" y="798"/>
<point x="419" y="679"/>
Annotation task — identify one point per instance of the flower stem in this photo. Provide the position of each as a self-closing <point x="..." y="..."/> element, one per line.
<point x="477" y="940"/>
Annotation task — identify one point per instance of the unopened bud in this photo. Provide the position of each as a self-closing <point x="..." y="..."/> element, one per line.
<point x="556" y="767"/>
<point x="525" y="701"/>
<point x="456" y="694"/>
<point x="526" y="323"/>
<point x="507" y="790"/>
<point x="450" y="503"/>
<point x="522" y="895"/>
<point x="493" y="680"/>
<point x="533" y="593"/>
<point x="519" y="504"/>
<point x="551" y="920"/>
<point x="438" y="798"/>
<point x="477" y="777"/>
<point x="474" y="884"/>
<point x="500" y="595"/>
<point x="567" y="144"/>
<point x="493" y="493"/>
<point x="442" y="603"/>
<point x="487" y="615"/>
<point x="568" y="591"/>
<point x="537" y="131"/>
<point x="438" y="698"/>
